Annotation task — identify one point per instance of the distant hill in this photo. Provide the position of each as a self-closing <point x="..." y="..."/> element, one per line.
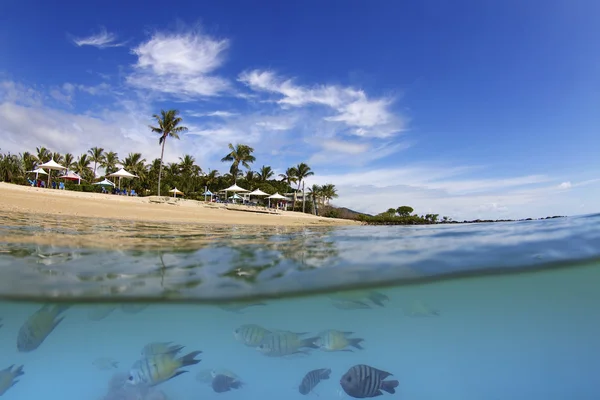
<point x="340" y="212"/>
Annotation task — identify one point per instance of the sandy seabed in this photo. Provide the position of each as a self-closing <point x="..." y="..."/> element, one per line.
<point x="16" y="198"/>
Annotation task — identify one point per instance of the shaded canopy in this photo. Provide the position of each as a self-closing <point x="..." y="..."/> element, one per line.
<point x="258" y="192"/>
<point x="38" y="171"/>
<point x="105" y="182"/>
<point x="122" y="174"/>
<point x="71" y="176"/>
<point x="277" y="196"/>
<point x="52" y="165"/>
<point x="235" y="188"/>
<point x="175" y="190"/>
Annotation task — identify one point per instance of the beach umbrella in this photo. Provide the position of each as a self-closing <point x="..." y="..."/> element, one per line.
<point x="257" y="192"/>
<point x="122" y="174"/>
<point x="234" y="188"/>
<point x="207" y="193"/>
<point x="105" y="182"/>
<point x="175" y="191"/>
<point x="72" y="176"/>
<point x="52" y="165"/>
<point x="36" y="172"/>
<point x="276" y="196"/>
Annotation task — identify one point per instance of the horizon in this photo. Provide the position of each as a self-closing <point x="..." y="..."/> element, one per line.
<point x="473" y="111"/>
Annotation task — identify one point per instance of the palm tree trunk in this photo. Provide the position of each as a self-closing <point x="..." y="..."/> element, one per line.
<point x="94" y="169"/>
<point x="162" y="153"/>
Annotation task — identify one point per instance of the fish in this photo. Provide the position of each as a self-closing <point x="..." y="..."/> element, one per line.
<point x="283" y="343"/>
<point x="105" y="363"/>
<point x="312" y="379"/>
<point x="420" y="309"/>
<point x="100" y="312"/>
<point x="160" y="368"/>
<point x="250" y="334"/>
<point x="332" y="340"/>
<point x="132" y="308"/>
<point x="156" y="348"/>
<point x="39" y="325"/>
<point x="363" y="381"/>
<point x="358" y="299"/>
<point x="238" y="307"/>
<point x="223" y="383"/>
<point x="8" y="378"/>
<point x="1" y="324"/>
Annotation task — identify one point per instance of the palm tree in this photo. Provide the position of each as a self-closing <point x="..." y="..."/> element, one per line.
<point x="329" y="192"/>
<point x="69" y="160"/>
<point x="28" y="161"/>
<point x="250" y="178"/>
<point x="265" y="173"/>
<point x="315" y="192"/>
<point x="97" y="156"/>
<point x="290" y="176"/>
<point x="240" y="154"/>
<point x="211" y="178"/>
<point x="43" y="155"/>
<point x="82" y="166"/>
<point x="303" y="171"/>
<point x="168" y="125"/>
<point x="109" y="162"/>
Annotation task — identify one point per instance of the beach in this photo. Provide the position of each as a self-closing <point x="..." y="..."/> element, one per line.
<point x="16" y="198"/>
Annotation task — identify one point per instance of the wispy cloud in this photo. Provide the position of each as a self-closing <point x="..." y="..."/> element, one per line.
<point x="180" y="64"/>
<point x="218" y="113"/>
<point x="366" y="117"/>
<point x="101" y="40"/>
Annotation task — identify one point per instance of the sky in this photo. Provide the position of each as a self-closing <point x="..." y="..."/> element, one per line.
<point x="469" y="109"/>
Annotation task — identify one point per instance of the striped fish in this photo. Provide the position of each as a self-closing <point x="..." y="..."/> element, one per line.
<point x="332" y="340"/>
<point x="155" y="348"/>
<point x="8" y="378"/>
<point x="250" y="334"/>
<point x="312" y="379"/>
<point x="153" y="370"/>
<point x="362" y="381"/>
<point x="283" y="343"/>
<point x="35" y="330"/>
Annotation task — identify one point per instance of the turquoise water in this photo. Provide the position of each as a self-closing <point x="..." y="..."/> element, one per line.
<point x="482" y="311"/>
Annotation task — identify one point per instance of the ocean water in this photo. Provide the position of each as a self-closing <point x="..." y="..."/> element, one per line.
<point x="453" y="312"/>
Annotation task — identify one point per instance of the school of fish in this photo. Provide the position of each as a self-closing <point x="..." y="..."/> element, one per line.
<point x="160" y="362"/>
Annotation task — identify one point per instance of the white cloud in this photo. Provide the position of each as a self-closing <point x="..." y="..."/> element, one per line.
<point x="180" y="64"/>
<point x="565" y="185"/>
<point x="101" y="40"/>
<point x="367" y="117"/>
<point x="218" y="114"/>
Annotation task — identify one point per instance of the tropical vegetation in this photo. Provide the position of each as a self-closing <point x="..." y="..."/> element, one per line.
<point x="155" y="178"/>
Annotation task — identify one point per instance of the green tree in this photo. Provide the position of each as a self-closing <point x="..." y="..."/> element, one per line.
<point x="96" y="156"/>
<point x="168" y="125"/>
<point x="109" y="162"/>
<point x="69" y="161"/>
<point x="303" y="171"/>
<point x="404" y="211"/>
<point x="239" y="154"/>
<point x="265" y="173"/>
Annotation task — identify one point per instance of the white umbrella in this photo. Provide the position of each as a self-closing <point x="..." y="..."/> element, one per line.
<point x="175" y="191"/>
<point x="51" y="165"/>
<point x="258" y="192"/>
<point x="234" y="188"/>
<point x="36" y="172"/>
<point x="105" y="182"/>
<point x="276" y="196"/>
<point x="122" y="174"/>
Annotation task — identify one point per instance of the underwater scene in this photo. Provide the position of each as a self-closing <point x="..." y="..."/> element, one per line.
<point x="117" y="310"/>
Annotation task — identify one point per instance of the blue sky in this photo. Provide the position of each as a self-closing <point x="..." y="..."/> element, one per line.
<point x="470" y="109"/>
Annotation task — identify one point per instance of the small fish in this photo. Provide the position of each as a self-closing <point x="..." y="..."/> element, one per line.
<point x="420" y="309"/>
<point x="8" y="378"/>
<point x="332" y="340"/>
<point x="132" y="308"/>
<point x="283" y="343"/>
<point x="349" y="305"/>
<point x="224" y="383"/>
<point x="362" y="381"/>
<point x="39" y="325"/>
<point x="156" y="348"/>
<point x="360" y="297"/>
<point x="312" y="379"/>
<point x="238" y="307"/>
<point x="100" y="312"/>
<point x="105" y="363"/>
<point x="250" y="334"/>
<point x="223" y="371"/>
<point x="159" y="368"/>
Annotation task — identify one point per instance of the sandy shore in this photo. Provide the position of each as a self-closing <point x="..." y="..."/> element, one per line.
<point x="15" y="198"/>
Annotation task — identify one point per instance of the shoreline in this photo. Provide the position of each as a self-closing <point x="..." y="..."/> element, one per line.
<point x="33" y="200"/>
